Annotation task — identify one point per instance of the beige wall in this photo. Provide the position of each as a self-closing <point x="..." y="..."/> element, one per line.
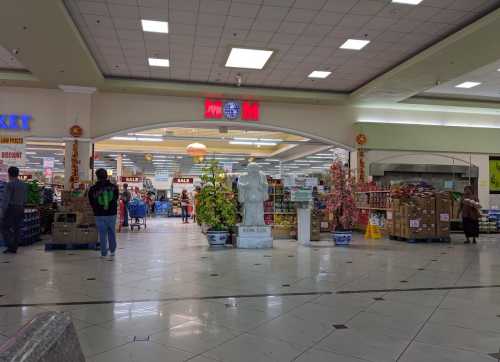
<point x="53" y="111"/>
<point x="113" y="113"/>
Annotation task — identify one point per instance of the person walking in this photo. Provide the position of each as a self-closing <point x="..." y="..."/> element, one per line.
<point x="126" y="196"/>
<point x="184" y="206"/>
<point x="14" y="200"/>
<point x="470" y="209"/>
<point x="103" y="197"/>
<point x="196" y="202"/>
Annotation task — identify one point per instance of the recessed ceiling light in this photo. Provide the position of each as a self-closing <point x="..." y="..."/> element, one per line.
<point x="355" y="44"/>
<point x="158" y="62"/>
<point x="320" y="74"/>
<point x="468" y="85"/>
<point x="248" y="58"/>
<point x="154" y="26"/>
<point x="408" y="2"/>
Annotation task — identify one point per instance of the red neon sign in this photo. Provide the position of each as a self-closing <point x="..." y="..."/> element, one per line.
<point x="213" y="109"/>
<point x="250" y="111"/>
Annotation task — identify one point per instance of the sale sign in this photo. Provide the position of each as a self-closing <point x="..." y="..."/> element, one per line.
<point x="12" y="151"/>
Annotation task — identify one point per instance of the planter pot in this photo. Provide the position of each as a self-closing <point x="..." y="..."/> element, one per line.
<point x="342" y="237"/>
<point x="217" y="238"/>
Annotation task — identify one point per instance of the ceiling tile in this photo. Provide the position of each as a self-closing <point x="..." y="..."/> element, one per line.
<point x="340" y="6"/>
<point x="157" y="4"/>
<point x="328" y="18"/>
<point x="272" y="12"/>
<point x="121" y="11"/>
<point x="244" y="10"/>
<point x="367" y="7"/>
<point x="154" y="13"/>
<point x="189" y="5"/>
<point x="309" y="4"/>
<point x="91" y="7"/>
<point x="289" y="27"/>
<point x="301" y="15"/>
<point x="215" y="6"/>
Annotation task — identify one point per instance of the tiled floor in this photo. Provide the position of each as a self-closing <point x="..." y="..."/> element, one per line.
<point x="171" y="260"/>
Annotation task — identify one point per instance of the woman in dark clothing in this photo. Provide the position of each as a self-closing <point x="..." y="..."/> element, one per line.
<point x="184" y="206"/>
<point x="470" y="214"/>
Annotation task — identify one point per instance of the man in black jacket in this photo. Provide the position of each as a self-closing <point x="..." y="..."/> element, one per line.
<point x="12" y="209"/>
<point x="103" y="197"/>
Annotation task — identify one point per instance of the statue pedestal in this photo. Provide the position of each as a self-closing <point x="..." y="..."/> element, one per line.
<point x="254" y="237"/>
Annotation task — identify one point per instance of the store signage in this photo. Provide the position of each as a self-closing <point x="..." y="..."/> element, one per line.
<point x="15" y="122"/>
<point x="12" y="151"/>
<point x="183" y="180"/>
<point x="131" y="179"/>
<point x="300" y="194"/>
<point x="25" y="177"/>
<point x="232" y="109"/>
<point x="48" y="162"/>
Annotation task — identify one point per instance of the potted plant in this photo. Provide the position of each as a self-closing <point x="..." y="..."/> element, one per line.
<point x="217" y="207"/>
<point x="341" y="204"/>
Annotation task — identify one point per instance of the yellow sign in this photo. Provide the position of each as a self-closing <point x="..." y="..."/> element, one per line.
<point x="495" y="175"/>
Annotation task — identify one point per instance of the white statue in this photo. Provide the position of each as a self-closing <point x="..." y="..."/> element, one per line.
<point x="252" y="192"/>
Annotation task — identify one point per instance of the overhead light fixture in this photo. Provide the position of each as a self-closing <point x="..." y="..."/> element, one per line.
<point x="158" y="62"/>
<point x="146" y="134"/>
<point x="248" y="58"/>
<point x="407" y="2"/>
<point x="259" y="143"/>
<point x="154" y="26"/>
<point x="319" y="74"/>
<point x="355" y="44"/>
<point x="140" y="139"/>
<point x="468" y="85"/>
<point x="240" y="142"/>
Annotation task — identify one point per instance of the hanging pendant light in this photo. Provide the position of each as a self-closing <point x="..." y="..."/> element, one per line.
<point x="197" y="151"/>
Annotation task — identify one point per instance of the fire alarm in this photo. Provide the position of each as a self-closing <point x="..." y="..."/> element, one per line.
<point x="76" y="131"/>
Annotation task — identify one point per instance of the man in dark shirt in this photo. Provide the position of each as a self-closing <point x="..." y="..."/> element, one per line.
<point x="103" y="197"/>
<point x="14" y="200"/>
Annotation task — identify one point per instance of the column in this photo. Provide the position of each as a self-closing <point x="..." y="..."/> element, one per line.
<point x="84" y="150"/>
<point x="78" y="110"/>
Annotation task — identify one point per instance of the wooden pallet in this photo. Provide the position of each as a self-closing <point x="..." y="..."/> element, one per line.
<point x="70" y="246"/>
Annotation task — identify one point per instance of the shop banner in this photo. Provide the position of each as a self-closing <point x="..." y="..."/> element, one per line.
<point x="183" y="180"/>
<point x="298" y="194"/>
<point x="12" y="151"/>
<point x="131" y="179"/>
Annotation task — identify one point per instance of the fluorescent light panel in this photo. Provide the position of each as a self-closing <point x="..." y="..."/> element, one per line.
<point x="407" y="2"/>
<point x="248" y="58"/>
<point x="319" y="74"/>
<point x="154" y="26"/>
<point x="468" y="85"/>
<point x="158" y="62"/>
<point x="433" y="123"/>
<point x="354" y="44"/>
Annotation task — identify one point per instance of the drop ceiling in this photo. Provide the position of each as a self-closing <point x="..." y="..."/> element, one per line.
<point x="488" y="89"/>
<point x="305" y="35"/>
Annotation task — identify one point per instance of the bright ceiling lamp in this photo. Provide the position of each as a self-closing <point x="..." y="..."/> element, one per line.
<point x="241" y="143"/>
<point x="319" y="74"/>
<point x="468" y="85"/>
<point x="248" y="58"/>
<point x="354" y="44"/>
<point x="407" y="2"/>
<point x="158" y="62"/>
<point x="154" y="26"/>
<point x="140" y="139"/>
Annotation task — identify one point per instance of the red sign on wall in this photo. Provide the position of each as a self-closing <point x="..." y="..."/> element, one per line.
<point x="183" y="180"/>
<point x="131" y="179"/>
<point x="246" y="110"/>
<point x="250" y="111"/>
<point x="213" y="109"/>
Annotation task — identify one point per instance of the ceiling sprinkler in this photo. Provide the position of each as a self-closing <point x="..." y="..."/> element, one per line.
<point x="239" y="80"/>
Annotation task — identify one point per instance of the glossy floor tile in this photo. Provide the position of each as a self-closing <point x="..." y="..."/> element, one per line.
<point x="166" y="296"/>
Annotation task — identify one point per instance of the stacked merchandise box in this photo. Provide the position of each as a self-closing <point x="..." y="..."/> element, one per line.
<point x="397" y="218"/>
<point x="76" y="223"/>
<point x="443" y="214"/>
<point x="418" y="218"/>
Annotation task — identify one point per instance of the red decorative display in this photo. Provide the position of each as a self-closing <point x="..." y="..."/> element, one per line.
<point x="76" y="131"/>
<point x="183" y="180"/>
<point x="340" y="202"/>
<point x="250" y="111"/>
<point x="213" y="109"/>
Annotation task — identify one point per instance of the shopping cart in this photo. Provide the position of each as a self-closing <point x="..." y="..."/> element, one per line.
<point x="163" y="208"/>
<point x="137" y="212"/>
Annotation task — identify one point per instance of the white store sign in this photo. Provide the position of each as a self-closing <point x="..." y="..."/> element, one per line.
<point x="12" y="151"/>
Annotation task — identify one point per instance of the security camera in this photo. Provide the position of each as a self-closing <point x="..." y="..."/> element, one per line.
<point x="15" y="51"/>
